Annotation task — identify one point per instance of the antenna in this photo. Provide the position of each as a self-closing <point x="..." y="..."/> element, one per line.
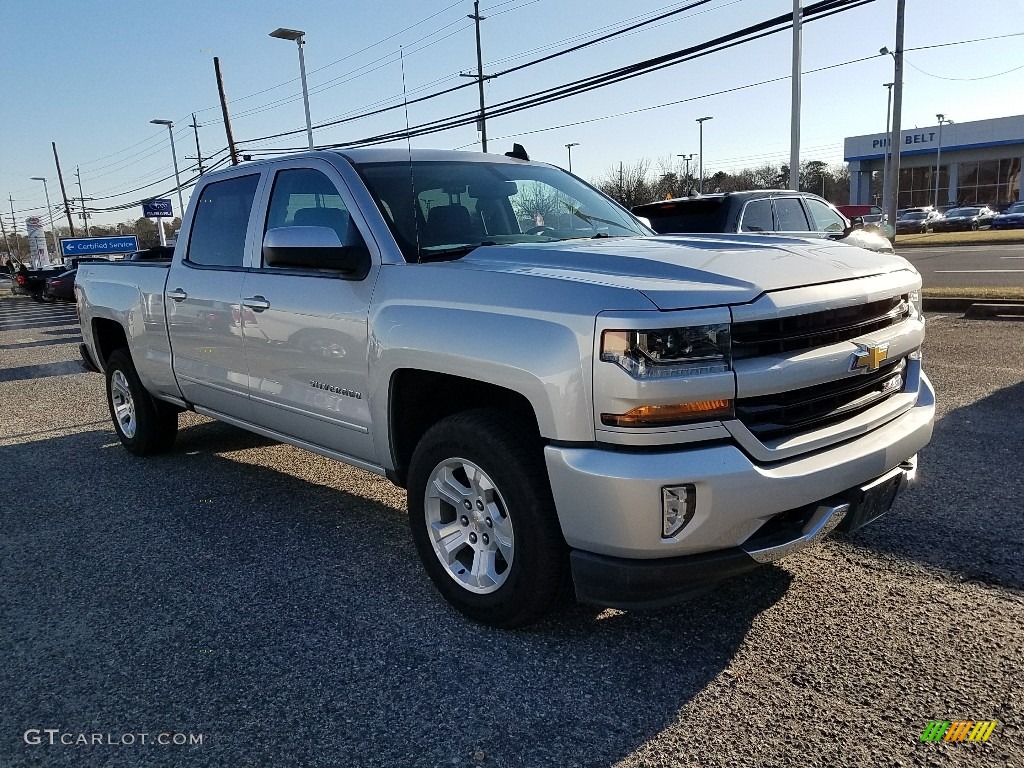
<point x="408" y="144"/>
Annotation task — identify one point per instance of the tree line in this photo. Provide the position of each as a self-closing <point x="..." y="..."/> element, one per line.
<point x="644" y="181"/>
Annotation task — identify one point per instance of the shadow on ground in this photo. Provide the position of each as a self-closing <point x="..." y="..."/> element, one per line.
<point x="290" y="623"/>
<point x="964" y="514"/>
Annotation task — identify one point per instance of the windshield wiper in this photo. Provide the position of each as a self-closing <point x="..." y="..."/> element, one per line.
<point x="450" y="254"/>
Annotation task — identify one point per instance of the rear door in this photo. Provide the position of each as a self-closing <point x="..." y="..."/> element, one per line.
<point x="791" y="218"/>
<point x="305" y="330"/>
<point x="202" y="297"/>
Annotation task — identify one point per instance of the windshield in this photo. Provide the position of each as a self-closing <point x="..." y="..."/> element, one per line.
<point x="914" y="216"/>
<point x="458" y="204"/>
<point x="957" y="213"/>
<point x="1016" y="208"/>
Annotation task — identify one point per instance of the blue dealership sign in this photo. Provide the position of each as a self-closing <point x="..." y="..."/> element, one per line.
<point x="152" y="209"/>
<point x="88" y="246"/>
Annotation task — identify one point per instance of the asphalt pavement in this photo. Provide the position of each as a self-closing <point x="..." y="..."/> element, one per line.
<point x="968" y="265"/>
<point x="252" y="604"/>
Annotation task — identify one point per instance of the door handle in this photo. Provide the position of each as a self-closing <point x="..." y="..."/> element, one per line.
<point x="177" y="294"/>
<point x="256" y="303"/>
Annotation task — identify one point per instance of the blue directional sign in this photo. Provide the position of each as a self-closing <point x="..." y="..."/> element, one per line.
<point x="151" y="209"/>
<point x="89" y="246"/>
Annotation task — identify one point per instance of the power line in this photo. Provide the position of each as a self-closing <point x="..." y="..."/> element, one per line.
<point x="963" y="79"/>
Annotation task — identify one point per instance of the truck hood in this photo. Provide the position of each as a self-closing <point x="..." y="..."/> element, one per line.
<point x="686" y="271"/>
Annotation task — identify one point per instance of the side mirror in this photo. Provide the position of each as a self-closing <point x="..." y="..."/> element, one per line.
<point x="857" y="222"/>
<point x="317" y="248"/>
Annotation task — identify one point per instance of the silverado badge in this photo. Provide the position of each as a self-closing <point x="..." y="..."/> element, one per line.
<point x="869" y="356"/>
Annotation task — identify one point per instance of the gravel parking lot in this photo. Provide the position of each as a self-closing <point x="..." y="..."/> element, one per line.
<point x="269" y="603"/>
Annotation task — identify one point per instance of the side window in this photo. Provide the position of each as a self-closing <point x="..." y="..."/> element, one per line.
<point x="791" y="215"/>
<point x="305" y="197"/>
<point x="221" y="221"/>
<point x="825" y="219"/>
<point x="757" y="216"/>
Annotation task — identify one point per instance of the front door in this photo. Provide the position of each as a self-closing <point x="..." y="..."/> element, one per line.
<point x="305" y="330"/>
<point x="202" y="299"/>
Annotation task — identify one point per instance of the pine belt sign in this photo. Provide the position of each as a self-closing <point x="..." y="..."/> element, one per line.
<point x="153" y="209"/>
<point x="88" y="246"/>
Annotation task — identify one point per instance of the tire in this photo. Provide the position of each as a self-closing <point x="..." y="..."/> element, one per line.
<point x="974" y="226"/>
<point x="479" y="496"/>
<point x="143" y="425"/>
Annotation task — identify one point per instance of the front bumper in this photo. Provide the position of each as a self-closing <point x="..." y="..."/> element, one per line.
<point x="617" y="582"/>
<point x="609" y="502"/>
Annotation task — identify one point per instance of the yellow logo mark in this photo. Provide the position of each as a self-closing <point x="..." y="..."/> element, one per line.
<point x="869" y="356"/>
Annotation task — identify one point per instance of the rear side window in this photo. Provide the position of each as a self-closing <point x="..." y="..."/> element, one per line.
<point x="757" y="216"/>
<point x="688" y="216"/>
<point x="791" y="215"/>
<point x="221" y="222"/>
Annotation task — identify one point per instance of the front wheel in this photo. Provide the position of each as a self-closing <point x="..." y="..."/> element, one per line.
<point x="144" y="426"/>
<point x="483" y="519"/>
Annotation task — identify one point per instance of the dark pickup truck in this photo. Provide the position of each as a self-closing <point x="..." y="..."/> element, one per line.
<point x="32" y="282"/>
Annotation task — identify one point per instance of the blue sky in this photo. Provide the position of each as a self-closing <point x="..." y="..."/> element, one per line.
<point x="91" y="75"/>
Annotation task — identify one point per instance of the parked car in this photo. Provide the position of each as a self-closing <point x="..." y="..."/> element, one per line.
<point x="61" y="287"/>
<point x="764" y="211"/>
<point x="575" y="403"/>
<point x="1011" y="218"/>
<point x="878" y="222"/>
<point x="916" y="222"/>
<point x="960" y="219"/>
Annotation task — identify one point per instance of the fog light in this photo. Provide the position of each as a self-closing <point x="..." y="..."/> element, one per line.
<point x="677" y="505"/>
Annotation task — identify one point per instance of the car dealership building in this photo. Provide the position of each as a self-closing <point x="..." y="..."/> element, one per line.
<point x="979" y="162"/>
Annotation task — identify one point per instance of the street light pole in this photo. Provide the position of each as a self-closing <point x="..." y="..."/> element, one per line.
<point x="296" y="34"/>
<point x="700" y="122"/>
<point x="174" y="156"/>
<point x="569" y="147"/>
<point x="687" y="158"/>
<point x="938" y="158"/>
<point x="49" y="210"/>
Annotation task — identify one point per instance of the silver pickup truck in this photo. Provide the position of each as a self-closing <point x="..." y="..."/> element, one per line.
<point x="571" y="401"/>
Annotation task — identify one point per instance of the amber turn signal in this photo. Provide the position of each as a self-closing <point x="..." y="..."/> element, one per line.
<point x="670" y="415"/>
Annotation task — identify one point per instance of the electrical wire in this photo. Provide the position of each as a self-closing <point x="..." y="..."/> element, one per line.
<point x="963" y="79"/>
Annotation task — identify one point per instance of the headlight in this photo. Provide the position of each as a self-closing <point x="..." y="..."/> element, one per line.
<point x="655" y="354"/>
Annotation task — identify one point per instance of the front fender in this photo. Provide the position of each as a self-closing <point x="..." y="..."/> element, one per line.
<point x="547" y="360"/>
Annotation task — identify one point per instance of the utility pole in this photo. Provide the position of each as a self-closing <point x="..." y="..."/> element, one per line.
<point x="14" y="223"/>
<point x="63" y="191"/>
<point x="84" y="214"/>
<point x="199" y="152"/>
<point x="794" y="136"/>
<point x="3" y="229"/>
<point x="621" y="193"/>
<point x="888" y="151"/>
<point x="480" y="74"/>
<point x="224" y="111"/>
<point x="897" y="115"/>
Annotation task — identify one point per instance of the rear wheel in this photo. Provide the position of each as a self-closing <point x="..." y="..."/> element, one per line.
<point x="144" y="426"/>
<point x="483" y="519"/>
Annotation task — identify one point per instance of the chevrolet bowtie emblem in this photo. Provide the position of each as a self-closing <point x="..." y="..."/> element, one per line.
<point x="869" y="356"/>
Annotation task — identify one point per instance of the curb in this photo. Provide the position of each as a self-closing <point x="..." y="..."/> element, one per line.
<point x="973" y="307"/>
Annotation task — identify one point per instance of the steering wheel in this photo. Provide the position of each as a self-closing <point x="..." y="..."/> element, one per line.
<point x="539" y="230"/>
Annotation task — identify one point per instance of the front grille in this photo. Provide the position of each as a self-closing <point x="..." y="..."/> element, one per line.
<point x="795" y="411"/>
<point x="757" y="338"/>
